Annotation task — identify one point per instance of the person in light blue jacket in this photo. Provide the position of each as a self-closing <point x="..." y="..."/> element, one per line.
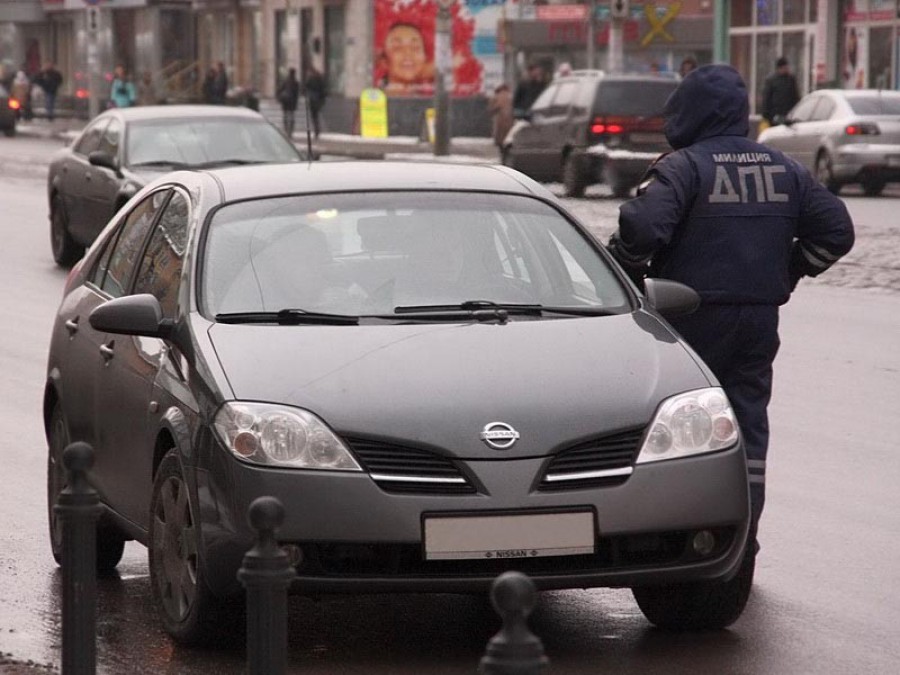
<point x="122" y="93"/>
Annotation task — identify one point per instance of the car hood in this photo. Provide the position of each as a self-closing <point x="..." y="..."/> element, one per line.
<point x="555" y="381"/>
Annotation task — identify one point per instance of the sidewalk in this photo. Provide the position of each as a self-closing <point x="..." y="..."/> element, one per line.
<point x="463" y="149"/>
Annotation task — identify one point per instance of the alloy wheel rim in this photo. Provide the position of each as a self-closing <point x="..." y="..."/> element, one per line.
<point x="175" y="550"/>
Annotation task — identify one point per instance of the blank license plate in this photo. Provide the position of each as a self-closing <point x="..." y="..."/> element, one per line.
<point x="530" y="535"/>
<point x="647" y="137"/>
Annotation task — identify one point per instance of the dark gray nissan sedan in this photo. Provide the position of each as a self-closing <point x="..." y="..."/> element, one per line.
<point x="434" y="367"/>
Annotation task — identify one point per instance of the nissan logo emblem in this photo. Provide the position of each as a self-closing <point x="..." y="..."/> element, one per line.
<point x="499" y="435"/>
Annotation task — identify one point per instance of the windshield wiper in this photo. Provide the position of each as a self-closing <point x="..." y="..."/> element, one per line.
<point x="228" y="162"/>
<point x="163" y="162"/>
<point x="289" y="317"/>
<point x="488" y="308"/>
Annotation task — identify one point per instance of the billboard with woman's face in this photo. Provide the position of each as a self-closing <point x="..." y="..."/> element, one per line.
<point x="404" y="49"/>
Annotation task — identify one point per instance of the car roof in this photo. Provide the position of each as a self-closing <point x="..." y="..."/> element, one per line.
<point x="247" y="182"/>
<point x="159" y="112"/>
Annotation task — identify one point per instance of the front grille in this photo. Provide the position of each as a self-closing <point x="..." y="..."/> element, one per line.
<point x="402" y="469"/>
<point x="600" y="462"/>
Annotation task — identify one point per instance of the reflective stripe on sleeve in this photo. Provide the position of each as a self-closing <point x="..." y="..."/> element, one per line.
<point x="757" y="479"/>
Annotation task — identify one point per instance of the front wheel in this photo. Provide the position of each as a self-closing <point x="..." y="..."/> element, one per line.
<point x="190" y="612"/>
<point x="65" y="249"/>
<point x="110" y="544"/>
<point x="872" y="187"/>
<point x="574" y="182"/>
<point x="825" y="173"/>
<point x="704" y="605"/>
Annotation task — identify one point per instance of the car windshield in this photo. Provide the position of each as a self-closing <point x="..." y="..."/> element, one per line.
<point x="206" y="141"/>
<point x="402" y="252"/>
<point x="640" y="98"/>
<point x="875" y="105"/>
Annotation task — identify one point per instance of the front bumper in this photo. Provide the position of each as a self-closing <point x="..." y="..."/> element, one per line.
<point x="356" y="537"/>
<point x="857" y="160"/>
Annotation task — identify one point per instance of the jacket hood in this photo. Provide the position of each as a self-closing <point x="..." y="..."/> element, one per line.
<point x="710" y="101"/>
<point x="438" y="385"/>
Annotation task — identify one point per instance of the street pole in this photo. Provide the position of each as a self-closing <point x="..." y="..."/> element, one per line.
<point x="591" y="35"/>
<point x="618" y="13"/>
<point x="442" y="59"/>
<point x="93" y="59"/>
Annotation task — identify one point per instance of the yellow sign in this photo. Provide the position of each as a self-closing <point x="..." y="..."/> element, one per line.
<point x="658" y="21"/>
<point x="373" y="115"/>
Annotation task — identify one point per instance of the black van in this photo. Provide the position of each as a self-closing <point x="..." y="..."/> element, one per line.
<point x="591" y="127"/>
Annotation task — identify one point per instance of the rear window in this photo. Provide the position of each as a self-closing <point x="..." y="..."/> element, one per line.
<point x="644" y="98"/>
<point x="875" y="105"/>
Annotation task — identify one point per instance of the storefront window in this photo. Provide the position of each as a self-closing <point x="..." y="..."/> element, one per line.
<point x="767" y="13"/>
<point x="766" y="55"/>
<point x="795" y="11"/>
<point x="741" y="56"/>
<point x="880" y="40"/>
<point x="792" y="50"/>
<point x="741" y="14"/>
<point x="334" y="47"/>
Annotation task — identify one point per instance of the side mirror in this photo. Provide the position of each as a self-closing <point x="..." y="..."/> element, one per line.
<point x="102" y="159"/>
<point x="132" y="315"/>
<point x="669" y="298"/>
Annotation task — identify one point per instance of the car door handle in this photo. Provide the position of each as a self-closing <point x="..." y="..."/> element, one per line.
<point x="107" y="350"/>
<point x="72" y="326"/>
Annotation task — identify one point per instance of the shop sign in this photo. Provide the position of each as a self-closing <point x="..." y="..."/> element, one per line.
<point x="561" y="12"/>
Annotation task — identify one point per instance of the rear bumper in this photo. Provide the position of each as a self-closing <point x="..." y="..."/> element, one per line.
<point x="629" y="165"/>
<point x="357" y="537"/>
<point x="852" y="162"/>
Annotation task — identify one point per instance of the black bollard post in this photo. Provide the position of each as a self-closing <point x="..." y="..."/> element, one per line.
<point x="266" y="574"/>
<point x="78" y="508"/>
<point x="515" y="650"/>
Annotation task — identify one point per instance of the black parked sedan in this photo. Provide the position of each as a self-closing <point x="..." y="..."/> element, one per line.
<point x="435" y="368"/>
<point x="122" y="150"/>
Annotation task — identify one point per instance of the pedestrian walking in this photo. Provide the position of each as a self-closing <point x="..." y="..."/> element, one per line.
<point x="219" y="89"/>
<point x="501" y="111"/>
<point x="209" y="85"/>
<point x="49" y="80"/>
<point x="288" y="94"/>
<point x="529" y="89"/>
<point x="314" y="87"/>
<point x="146" y="90"/>
<point x="780" y="93"/>
<point x="741" y="224"/>
<point x="122" y="93"/>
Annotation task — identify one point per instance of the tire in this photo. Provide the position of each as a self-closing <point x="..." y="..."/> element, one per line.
<point x="189" y="611"/>
<point x="65" y="249"/>
<point x="701" y="606"/>
<point x="872" y="187"/>
<point x="621" y="188"/>
<point x="574" y="182"/>
<point x="110" y="544"/>
<point x="9" y="132"/>
<point x="825" y="174"/>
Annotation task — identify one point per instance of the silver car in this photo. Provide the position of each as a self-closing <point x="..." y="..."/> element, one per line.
<point x="844" y="137"/>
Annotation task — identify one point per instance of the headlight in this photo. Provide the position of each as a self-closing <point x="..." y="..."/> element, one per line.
<point x="690" y="424"/>
<point x="276" y="435"/>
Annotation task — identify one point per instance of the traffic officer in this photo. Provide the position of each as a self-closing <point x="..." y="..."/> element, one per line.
<point x="740" y="223"/>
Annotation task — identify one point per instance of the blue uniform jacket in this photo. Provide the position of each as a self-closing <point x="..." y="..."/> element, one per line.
<point x="737" y="221"/>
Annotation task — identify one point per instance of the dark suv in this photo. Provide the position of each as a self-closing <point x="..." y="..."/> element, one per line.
<point x="590" y="127"/>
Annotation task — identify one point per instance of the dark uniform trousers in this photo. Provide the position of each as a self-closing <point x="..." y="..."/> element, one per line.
<point x="739" y="344"/>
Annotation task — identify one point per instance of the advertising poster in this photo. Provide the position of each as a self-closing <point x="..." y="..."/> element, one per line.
<point x="853" y="62"/>
<point x="404" y="42"/>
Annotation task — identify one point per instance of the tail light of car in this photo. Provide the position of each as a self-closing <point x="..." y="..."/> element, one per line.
<point x="862" y="129"/>
<point x="619" y="125"/>
<point x="14" y="104"/>
<point x="82" y="93"/>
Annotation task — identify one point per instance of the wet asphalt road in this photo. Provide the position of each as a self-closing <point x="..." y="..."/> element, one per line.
<point x="826" y="597"/>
